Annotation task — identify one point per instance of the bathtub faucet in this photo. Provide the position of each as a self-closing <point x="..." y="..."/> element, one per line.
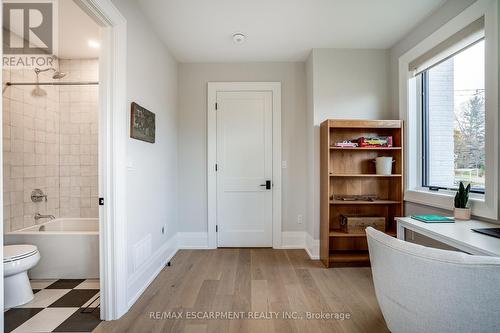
<point x="40" y="216"/>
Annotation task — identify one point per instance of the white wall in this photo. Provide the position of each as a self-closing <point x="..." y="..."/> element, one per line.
<point x="192" y="131"/>
<point x="351" y="83"/>
<point x="345" y="84"/>
<point x="152" y="168"/>
<point x="311" y="213"/>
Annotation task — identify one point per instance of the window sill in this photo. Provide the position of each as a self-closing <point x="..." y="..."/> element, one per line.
<point x="444" y="199"/>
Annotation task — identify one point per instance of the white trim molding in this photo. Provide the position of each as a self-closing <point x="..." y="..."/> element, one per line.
<point x="213" y="88"/>
<point x="112" y="156"/>
<point x="150" y="269"/>
<point x="301" y="240"/>
<point x="485" y="206"/>
<point x="312" y="247"/>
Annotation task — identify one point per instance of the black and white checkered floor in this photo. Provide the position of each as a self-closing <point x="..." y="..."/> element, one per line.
<point x="59" y="306"/>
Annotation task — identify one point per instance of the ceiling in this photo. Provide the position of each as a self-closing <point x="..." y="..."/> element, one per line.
<point x="75" y="29"/>
<point x="280" y="30"/>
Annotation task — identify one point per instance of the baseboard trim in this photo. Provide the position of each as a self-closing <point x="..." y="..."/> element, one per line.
<point x="151" y="269"/>
<point x="300" y="240"/>
<point x="312" y="247"/>
<point x="192" y="240"/>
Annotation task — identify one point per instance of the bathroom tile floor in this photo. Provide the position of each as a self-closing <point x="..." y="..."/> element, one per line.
<point x="64" y="305"/>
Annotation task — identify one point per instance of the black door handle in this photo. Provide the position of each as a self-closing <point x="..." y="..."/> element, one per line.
<point x="267" y="185"/>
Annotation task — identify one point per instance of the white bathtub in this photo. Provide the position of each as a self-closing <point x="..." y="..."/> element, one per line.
<point x="69" y="248"/>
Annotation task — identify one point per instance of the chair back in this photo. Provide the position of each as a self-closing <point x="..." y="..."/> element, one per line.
<point x="421" y="289"/>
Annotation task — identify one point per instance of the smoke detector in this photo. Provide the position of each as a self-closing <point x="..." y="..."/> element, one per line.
<point x="239" y="38"/>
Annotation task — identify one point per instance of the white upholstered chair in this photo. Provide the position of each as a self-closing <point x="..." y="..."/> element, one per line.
<point x="422" y="289"/>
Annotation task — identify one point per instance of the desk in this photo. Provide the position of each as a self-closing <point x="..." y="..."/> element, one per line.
<point x="458" y="235"/>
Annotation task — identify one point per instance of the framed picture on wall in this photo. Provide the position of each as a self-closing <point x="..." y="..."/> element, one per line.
<point x="142" y="123"/>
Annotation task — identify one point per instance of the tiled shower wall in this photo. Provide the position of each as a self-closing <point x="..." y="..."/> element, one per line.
<point x="78" y="109"/>
<point x="31" y="149"/>
<point x="50" y="143"/>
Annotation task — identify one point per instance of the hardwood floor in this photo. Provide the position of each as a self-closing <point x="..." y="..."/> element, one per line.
<point x="266" y="281"/>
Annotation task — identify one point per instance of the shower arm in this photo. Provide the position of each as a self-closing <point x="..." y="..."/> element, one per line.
<point x="38" y="70"/>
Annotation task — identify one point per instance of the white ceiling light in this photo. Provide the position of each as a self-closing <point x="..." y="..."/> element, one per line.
<point x="94" y="44"/>
<point x="239" y="38"/>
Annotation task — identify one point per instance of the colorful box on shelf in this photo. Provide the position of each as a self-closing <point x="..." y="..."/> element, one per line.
<point x="382" y="141"/>
<point x="346" y="144"/>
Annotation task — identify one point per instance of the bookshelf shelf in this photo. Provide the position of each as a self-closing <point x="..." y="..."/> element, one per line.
<point x="351" y="258"/>
<point x="365" y="148"/>
<point x="362" y="202"/>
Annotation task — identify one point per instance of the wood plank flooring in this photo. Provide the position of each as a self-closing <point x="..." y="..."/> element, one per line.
<point x="265" y="281"/>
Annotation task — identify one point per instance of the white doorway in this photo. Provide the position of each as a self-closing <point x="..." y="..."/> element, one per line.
<point x="112" y="155"/>
<point x="244" y="164"/>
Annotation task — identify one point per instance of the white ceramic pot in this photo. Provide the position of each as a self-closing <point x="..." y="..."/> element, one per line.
<point x="462" y="213"/>
<point x="383" y="165"/>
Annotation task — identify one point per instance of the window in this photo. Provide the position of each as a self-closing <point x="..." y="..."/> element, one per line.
<point x="453" y="121"/>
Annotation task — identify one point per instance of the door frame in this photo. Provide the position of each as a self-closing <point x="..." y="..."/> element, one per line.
<point x="112" y="156"/>
<point x="213" y="88"/>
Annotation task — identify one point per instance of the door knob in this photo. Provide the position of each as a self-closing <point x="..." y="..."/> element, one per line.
<point x="267" y="185"/>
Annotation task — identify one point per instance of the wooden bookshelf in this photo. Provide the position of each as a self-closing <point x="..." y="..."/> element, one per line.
<point x="350" y="171"/>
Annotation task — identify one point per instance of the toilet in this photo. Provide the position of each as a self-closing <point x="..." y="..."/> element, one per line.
<point x="17" y="260"/>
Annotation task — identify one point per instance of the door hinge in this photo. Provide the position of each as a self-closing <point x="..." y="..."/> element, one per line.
<point x="216" y="228"/>
<point x="101" y="201"/>
<point x="215" y="166"/>
<point x="216" y="106"/>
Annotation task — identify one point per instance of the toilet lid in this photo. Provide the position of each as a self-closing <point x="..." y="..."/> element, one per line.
<point x="17" y="252"/>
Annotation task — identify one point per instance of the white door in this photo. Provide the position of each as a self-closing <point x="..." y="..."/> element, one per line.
<point x="244" y="169"/>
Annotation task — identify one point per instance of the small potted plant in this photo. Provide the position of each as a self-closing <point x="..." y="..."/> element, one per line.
<point x="461" y="211"/>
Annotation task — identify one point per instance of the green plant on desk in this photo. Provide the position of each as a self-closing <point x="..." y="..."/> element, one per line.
<point x="462" y="196"/>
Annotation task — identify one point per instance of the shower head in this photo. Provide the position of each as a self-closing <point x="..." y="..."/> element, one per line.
<point x="57" y="74"/>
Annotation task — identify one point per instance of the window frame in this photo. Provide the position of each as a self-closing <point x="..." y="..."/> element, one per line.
<point x="485" y="206"/>
<point x="424" y="110"/>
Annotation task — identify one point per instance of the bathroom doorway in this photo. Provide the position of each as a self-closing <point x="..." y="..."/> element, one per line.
<point x="57" y="148"/>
